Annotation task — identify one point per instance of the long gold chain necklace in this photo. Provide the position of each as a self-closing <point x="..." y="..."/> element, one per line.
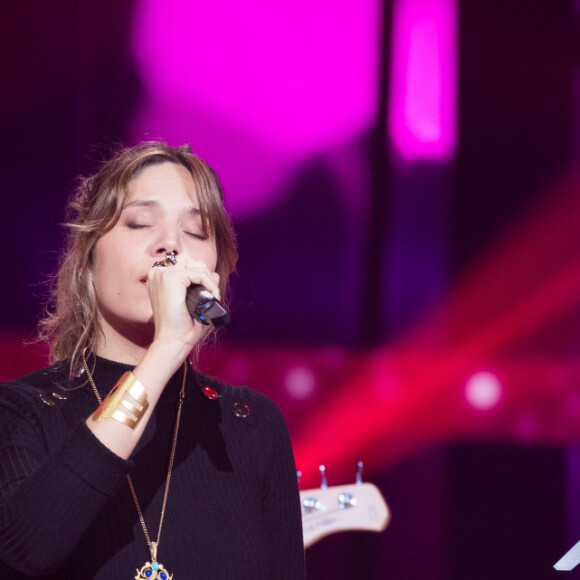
<point x="151" y="570"/>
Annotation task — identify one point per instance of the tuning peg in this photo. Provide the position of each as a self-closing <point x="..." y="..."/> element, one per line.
<point x="323" y="481"/>
<point x="359" y="470"/>
<point x="346" y="500"/>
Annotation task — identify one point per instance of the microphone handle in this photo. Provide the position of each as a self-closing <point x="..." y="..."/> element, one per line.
<point x="201" y="304"/>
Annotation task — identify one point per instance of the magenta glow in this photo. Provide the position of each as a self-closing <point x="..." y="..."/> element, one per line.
<point x="423" y="84"/>
<point x="257" y="87"/>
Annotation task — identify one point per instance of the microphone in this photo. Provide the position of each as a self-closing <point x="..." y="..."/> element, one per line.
<point x="202" y="305"/>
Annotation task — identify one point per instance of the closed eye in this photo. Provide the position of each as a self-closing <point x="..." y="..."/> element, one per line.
<point x="136" y="226"/>
<point x="197" y="236"/>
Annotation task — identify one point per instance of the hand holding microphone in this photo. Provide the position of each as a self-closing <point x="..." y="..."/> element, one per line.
<point x="201" y="303"/>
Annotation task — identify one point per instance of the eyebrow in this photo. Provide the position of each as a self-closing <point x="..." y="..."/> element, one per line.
<point x="154" y="203"/>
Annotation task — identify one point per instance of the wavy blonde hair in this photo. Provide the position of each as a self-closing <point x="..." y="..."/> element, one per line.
<point x="70" y="324"/>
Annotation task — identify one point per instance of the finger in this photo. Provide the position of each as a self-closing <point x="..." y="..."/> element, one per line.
<point x="199" y="273"/>
<point x="208" y="279"/>
<point x="188" y="271"/>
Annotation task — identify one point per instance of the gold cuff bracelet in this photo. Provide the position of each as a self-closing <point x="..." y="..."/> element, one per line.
<point x="126" y="403"/>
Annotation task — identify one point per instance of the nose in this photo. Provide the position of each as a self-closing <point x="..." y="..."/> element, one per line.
<point x="167" y="242"/>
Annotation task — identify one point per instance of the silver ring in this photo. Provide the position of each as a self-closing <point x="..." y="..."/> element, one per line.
<point x="170" y="260"/>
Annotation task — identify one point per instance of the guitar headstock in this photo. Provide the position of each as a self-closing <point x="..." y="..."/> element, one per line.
<point x="359" y="506"/>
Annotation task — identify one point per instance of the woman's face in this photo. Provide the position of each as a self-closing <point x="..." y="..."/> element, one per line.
<point x="161" y="215"/>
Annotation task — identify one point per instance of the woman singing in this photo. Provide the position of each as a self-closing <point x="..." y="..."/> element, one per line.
<point x="121" y="460"/>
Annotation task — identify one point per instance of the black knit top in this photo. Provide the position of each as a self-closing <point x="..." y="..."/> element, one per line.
<point x="66" y="511"/>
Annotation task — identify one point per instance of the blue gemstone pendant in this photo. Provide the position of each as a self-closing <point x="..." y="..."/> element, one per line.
<point x="153" y="571"/>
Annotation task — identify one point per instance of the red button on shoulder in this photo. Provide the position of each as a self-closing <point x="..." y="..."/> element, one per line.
<point x="209" y="392"/>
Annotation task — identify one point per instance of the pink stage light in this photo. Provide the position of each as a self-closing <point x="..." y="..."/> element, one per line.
<point x="483" y="391"/>
<point x="300" y="383"/>
<point x="423" y="99"/>
<point x="257" y="86"/>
